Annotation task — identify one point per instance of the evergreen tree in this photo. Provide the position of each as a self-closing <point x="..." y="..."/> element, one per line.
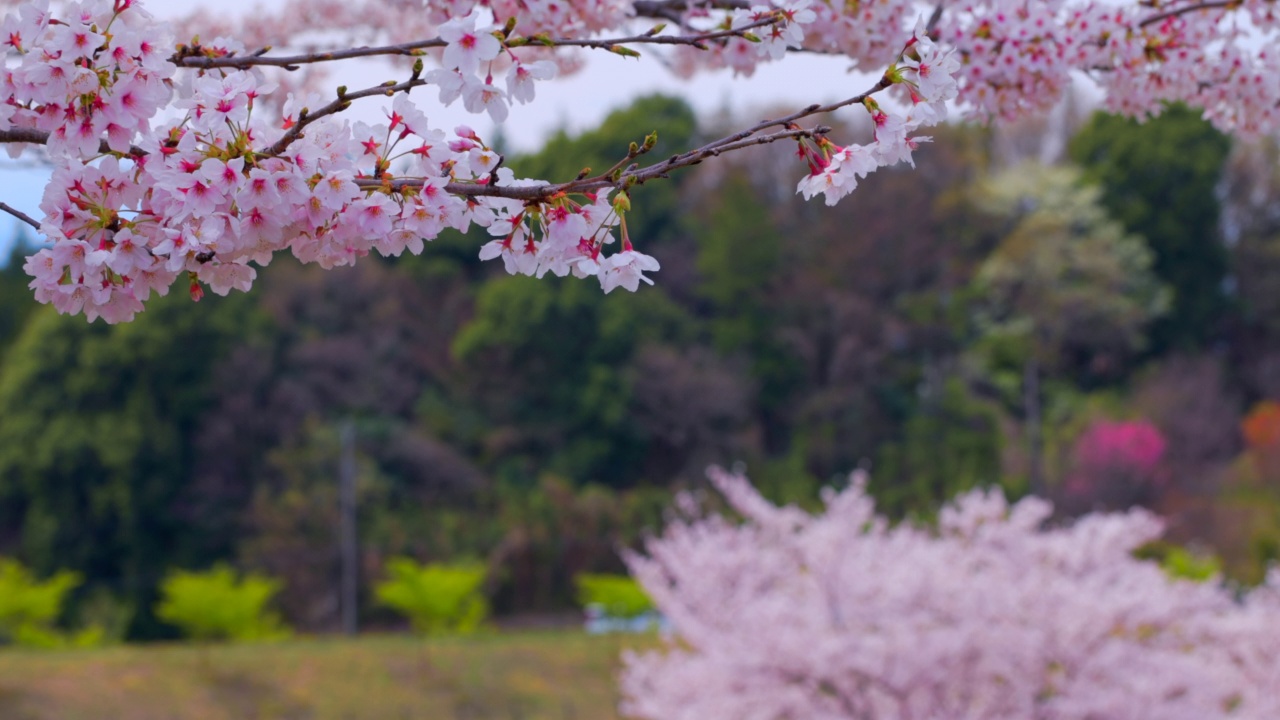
<point x="1158" y="180"/>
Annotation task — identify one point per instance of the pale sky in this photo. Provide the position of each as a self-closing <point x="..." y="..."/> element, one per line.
<point x="577" y="102"/>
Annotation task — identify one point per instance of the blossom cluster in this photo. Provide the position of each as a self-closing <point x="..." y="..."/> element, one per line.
<point x="132" y="208"/>
<point x="470" y="52"/>
<point x="567" y="237"/>
<point x="99" y="72"/>
<point x="928" y="74"/>
<point x="993" y="613"/>
<point x="184" y="161"/>
<point x="205" y="197"/>
<point x="1017" y="56"/>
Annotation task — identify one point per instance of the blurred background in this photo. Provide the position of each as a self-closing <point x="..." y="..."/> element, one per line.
<point x="1079" y="307"/>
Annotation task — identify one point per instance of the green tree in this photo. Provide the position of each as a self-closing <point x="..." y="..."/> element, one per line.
<point x="950" y="444"/>
<point x="738" y="261"/>
<point x="1065" y="282"/>
<point x="16" y="300"/>
<point x="1158" y="180"/>
<point x="548" y="363"/>
<point x="96" y="431"/>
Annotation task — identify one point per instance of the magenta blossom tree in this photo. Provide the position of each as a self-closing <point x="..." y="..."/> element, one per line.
<point x="190" y="154"/>
<point x="990" y="614"/>
<point x="1117" y="464"/>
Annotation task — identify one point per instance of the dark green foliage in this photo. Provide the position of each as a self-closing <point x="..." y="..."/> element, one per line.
<point x="739" y="251"/>
<point x="548" y="361"/>
<point x="16" y="300"/>
<point x="97" y="427"/>
<point x="949" y="445"/>
<point x="738" y="254"/>
<point x="1158" y="180"/>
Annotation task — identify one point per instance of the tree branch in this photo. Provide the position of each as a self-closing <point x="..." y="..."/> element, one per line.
<point x="20" y="215"/>
<point x="40" y="137"/>
<point x="663" y="8"/>
<point x="416" y="48"/>
<point x="932" y="26"/>
<point x="342" y="103"/>
<point x="1207" y="5"/>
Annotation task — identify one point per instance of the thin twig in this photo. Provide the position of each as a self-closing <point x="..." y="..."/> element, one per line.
<point x="20" y="215"/>
<point x="660" y="8"/>
<point x="342" y="103"/>
<point x="292" y="62"/>
<point x="1207" y="5"/>
<point x="934" y="18"/>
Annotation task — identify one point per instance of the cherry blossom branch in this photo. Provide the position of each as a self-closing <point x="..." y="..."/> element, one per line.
<point x="20" y="215"/>
<point x="24" y="135"/>
<point x="40" y="137"/>
<point x="1207" y="5"/>
<point x="343" y="102"/>
<point x="631" y="176"/>
<point x="660" y="8"/>
<point x="416" y="48"/>
<point x="292" y="62"/>
<point x="636" y="176"/>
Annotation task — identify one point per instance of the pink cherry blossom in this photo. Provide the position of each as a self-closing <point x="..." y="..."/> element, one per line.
<point x="468" y="45"/>
<point x="521" y="77"/>
<point x="990" y="613"/>
<point x="625" y="270"/>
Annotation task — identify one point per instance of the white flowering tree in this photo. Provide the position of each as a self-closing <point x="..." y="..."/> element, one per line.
<point x="191" y="153"/>
<point x="990" y="615"/>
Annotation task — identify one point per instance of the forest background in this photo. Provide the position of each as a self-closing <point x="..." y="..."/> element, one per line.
<point x="1105" y="331"/>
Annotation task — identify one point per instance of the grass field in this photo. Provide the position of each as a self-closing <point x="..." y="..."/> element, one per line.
<point x="547" y="675"/>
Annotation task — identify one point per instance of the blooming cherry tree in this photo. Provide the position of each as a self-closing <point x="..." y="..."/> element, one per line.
<point x="187" y="160"/>
<point x="992" y="614"/>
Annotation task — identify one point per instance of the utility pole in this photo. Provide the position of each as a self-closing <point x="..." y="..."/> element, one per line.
<point x="1034" y="425"/>
<point x="348" y="548"/>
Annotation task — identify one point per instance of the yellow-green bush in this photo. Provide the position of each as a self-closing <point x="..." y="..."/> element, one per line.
<point x="619" y="595"/>
<point x="218" y="605"/>
<point x="29" y="608"/>
<point x="437" y="598"/>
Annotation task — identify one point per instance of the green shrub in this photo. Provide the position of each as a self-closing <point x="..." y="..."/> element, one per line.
<point x="216" y="605"/>
<point x="619" y="595"/>
<point x="1180" y="563"/>
<point x="29" y="608"/>
<point x="437" y="598"/>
